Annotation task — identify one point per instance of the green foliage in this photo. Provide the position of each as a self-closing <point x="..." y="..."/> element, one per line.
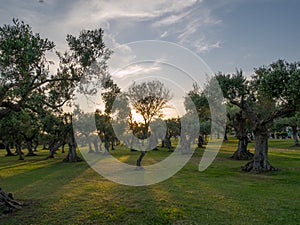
<point x="280" y="81"/>
<point x="173" y="127"/>
<point x="281" y="134"/>
<point x="234" y="86"/>
<point x="23" y="65"/>
<point x="25" y="78"/>
<point x="197" y="100"/>
<point x="148" y="99"/>
<point x="88" y="47"/>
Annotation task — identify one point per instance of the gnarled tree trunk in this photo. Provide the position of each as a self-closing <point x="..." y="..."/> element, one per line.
<point x="295" y="136"/>
<point x="7" y="203"/>
<point x="29" y="148"/>
<point x="19" y="150"/>
<point x="72" y="154"/>
<point x="139" y="160"/>
<point x="240" y="124"/>
<point x="260" y="161"/>
<point x="54" y="147"/>
<point x="7" y="148"/>
<point x="242" y="153"/>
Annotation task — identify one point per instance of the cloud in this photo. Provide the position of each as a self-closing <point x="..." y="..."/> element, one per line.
<point x="164" y="34"/>
<point x="170" y="20"/>
<point x="202" y="45"/>
<point x="181" y="21"/>
<point x="98" y="11"/>
<point x="136" y="70"/>
<point x="190" y="27"/>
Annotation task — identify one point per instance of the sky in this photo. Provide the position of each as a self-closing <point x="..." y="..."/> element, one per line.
<point x="225" y="34"/>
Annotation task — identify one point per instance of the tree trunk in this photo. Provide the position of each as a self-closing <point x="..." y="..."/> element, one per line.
<point x="35" y="145"/>
<point x="260" y="161"/>
<point x="139" y="160"/>
<point x="19" y="151"/>
<point x="200" y="141"/>
<point x="106" y="145"/>
<point x="112" y="144"/>
<point x="54" y="147"/>
<point x="63" y="147"/>
<point x="95" y="143"/>
<point x="7" y="148"/>
<point x="7" y="203"/>
<point x="225" y="136"/>
<point x="168" y="144"/>
<point x="242" y="153"/>
<point x="295" y="136"/>
<point x="29" y="148"/>
<point x="45" y="147"/>
<point x="90" y="145"/>
<point x="72" y="154"/>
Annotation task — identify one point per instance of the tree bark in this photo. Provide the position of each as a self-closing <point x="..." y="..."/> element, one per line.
<point x="106" y="144"/>
<point x="45" y="145"/>
<point x="7" y="148"/>
<point x="95" y="143"/>
<point x="35" y="145"/>
<point x="7" y="203"/>
<point x="72" y="154"/>
<point x="139" y="160"/>
<point x="53" y="148"/>
<point x="260" y="161"/>
<point x="295" y="136"/>
<point x="200" y="141"/>
<point x="167" y="143"/>
<point x="19" y="151"/>
<point x="89" y="144"/>
<point x="242" y="153"/>
<point x="29" y="148"/>
<point x="63" y="147"/>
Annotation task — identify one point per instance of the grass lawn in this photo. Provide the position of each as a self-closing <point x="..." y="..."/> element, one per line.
<point x="73" y="193"/>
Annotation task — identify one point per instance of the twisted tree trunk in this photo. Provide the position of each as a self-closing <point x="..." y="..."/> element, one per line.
<point x="139" y="160"/>
<point x="260" y="161"/>
<point x="7" y="203"/>
<point x="242" y="153"/>
<point x="7" y="148"/>
<point x="72" y="154"/>
<point x="54" y="147"/>
<point x="19" y="150"/>
<point x="29" y="148"/>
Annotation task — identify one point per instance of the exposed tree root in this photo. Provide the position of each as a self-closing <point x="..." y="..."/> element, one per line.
<point x="258" y="167"/>
<point x="242" y="155"/>
<point x="7" y="203"/>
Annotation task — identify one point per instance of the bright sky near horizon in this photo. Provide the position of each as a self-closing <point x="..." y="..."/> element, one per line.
<point x="226" y="34"/>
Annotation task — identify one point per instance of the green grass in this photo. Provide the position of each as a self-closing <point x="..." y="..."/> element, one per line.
<point x="72" y="193"/>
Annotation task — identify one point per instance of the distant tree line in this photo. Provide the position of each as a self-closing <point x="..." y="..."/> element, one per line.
<point x="32" y="99"/>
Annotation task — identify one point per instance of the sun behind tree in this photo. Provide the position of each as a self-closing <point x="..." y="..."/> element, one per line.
<point x="148" y="99"/>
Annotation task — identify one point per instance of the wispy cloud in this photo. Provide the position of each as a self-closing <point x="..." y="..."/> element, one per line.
<point x="202" y="45"/>
<point x="136" y="70"/>
<point x="182" y="21"/>
<point x="170" y="19"/>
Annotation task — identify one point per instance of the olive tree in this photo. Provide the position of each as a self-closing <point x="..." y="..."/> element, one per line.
<point x="272" y="92"/>
<point x="148" y="99"/>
